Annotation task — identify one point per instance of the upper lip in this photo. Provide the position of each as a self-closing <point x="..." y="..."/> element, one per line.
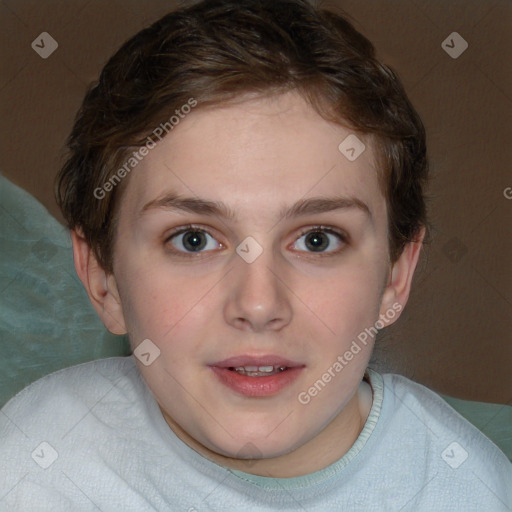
<point x="265" y="360"/>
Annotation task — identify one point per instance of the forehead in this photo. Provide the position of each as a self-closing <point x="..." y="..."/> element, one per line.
<point x="256" y="156"/>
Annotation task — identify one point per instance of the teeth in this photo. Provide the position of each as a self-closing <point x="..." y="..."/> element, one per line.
<point x="248" y="368"/>
<point x="258" y="368"/>
<point x="259" y="371"/>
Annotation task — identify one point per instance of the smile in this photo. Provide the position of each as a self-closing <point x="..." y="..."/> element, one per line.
<point x="258" y="371"/>
<point x="256" y="376"/>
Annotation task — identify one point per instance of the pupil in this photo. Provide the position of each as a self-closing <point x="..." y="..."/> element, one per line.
<point x="317" y="241"/>
<point x="194" y="241"/>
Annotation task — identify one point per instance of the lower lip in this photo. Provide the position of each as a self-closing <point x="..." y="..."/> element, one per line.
<point x="256" y="386"/>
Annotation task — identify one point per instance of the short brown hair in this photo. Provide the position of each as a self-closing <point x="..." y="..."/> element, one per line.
<point x="215" y="51"/>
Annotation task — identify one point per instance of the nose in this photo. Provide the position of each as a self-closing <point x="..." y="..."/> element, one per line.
<point x="258" y="298"/>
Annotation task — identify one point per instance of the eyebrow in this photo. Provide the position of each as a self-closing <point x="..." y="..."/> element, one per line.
<point x="310" y="206"/>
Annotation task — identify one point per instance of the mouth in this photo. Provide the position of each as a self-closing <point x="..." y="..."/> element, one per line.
<point x="256" y="376"/>
<point x="258" y="371"/>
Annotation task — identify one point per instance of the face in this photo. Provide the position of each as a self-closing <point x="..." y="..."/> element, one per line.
<point x="248" y="240"/>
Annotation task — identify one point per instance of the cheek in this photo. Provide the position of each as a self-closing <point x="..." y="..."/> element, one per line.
<point x="161" y="305"/>
<point x="348" y="301"/>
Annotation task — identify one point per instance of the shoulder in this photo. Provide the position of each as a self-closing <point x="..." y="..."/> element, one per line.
<point x="428" y="407"/>
<point x="96" y="391"/>
<point x="65" y="423"/>
<point x="444" y="445"/>
<point x="83" y="383"/>
<point x="440" y="421"/>
<point x="54" y="402"/>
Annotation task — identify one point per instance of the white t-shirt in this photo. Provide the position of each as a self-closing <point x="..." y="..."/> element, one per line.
<point x="92" y="437"/>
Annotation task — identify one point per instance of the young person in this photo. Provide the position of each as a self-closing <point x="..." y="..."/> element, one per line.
<point x="245" y="194"/>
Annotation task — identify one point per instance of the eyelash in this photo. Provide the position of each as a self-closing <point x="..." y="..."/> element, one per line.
<point x="342" y="236"/>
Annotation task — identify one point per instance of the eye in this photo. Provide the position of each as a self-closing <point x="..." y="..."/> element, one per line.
<point x="321" y="240"/>
<point x="192" y="240"/>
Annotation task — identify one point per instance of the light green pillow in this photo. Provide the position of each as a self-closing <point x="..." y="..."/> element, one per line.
<point x="46" y="320"/>
<point x="494" y="420"/>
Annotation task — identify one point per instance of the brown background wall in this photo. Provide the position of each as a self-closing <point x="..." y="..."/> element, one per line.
<point x="455" y="335"/>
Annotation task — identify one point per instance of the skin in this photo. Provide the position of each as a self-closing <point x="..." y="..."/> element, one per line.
<point x="258" y="157"/>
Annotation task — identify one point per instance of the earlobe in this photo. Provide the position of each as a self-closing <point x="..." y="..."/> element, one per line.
<point x="100" y="285"/>
<point x="399" y="285"/>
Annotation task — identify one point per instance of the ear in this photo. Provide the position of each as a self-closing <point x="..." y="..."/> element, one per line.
<point x="396" y="293"/>
<point x="100" y="285"/>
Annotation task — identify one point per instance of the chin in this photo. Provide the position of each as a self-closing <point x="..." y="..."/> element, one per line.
<point x="260" y="446"/>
